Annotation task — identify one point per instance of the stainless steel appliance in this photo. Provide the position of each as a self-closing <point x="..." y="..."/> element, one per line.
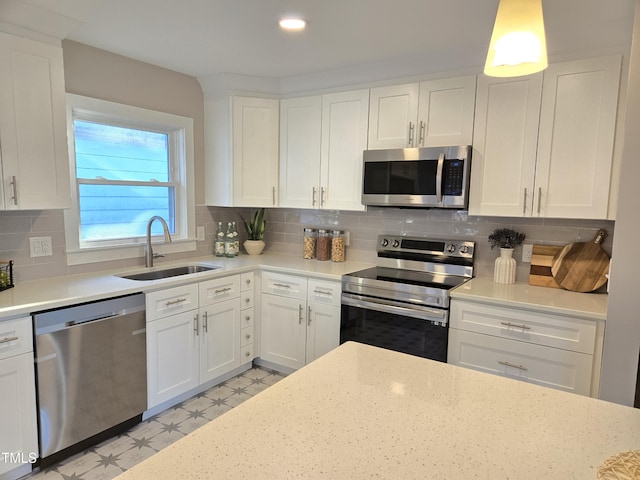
<point x="434" y="177"/>
<point x="91" y="373"/>
<point x="403" y="303"/>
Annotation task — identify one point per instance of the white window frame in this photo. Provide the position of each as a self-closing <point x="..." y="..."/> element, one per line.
<point x="181" y="130"/>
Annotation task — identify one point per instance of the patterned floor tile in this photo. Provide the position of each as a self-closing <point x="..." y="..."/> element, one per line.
<point x="132" y="457"/>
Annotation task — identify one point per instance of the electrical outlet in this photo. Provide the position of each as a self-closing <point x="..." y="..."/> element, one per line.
<point x="200" y="234"/>
<point x="527" y="252"/>
<point x="40" y="246"/>
<point x="347" y="237"/>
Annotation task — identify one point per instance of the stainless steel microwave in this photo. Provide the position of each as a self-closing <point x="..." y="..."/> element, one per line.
<point x="433" y="177"/>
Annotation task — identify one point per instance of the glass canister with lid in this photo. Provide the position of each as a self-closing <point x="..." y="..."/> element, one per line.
<point x="338" y="246"/>
<point x="323" y="247"/>
<point x="309" y="243"/>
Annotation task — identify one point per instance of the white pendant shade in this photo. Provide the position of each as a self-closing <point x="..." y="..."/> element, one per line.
<point x="518" y="45"/>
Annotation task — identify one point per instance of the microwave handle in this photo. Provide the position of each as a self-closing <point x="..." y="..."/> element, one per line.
<point x="439" y="178"/>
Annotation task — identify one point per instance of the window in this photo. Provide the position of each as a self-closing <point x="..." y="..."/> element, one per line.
<point x="128" y="164"/>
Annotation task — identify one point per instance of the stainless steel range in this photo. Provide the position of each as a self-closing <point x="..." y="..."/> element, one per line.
<point x="403" y="303"/>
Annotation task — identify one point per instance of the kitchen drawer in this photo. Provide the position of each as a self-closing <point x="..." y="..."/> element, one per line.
<point x="16" y="337"/>
<point x="171" y="301"/>
<point x="246" y="354"/>
<point x="550" y="367"/>
<point x="284" y="285"/>
<point x="246" y="318"/>
<point x="246" y="300"/>
<point x="219" y="290"/>
<point x="575" y="334"/>
<point x="247" y="281"/>
<point x="246" y="336"/>
<point x="325" y="292"/>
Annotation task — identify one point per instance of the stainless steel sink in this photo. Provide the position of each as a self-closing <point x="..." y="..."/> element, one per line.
<point x="170" y="272"/>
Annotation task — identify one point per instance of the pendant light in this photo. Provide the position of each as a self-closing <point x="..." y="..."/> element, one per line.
<point x="518" y="45"/>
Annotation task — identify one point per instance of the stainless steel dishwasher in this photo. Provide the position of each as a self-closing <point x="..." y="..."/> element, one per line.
<point x="91" y="373"/>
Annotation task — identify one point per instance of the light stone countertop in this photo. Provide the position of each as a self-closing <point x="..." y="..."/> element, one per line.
<point x="363" y="412"/>
<point x="28" y="297"/>
<point x="523" y="295"/>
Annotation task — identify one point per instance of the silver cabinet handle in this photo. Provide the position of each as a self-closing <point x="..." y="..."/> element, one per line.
<point x="248" y="354"/>
<point x="14" y="189"/>
<point x="509" y="324"/>
<point x="507" y="364"/>
<point x="281" y="285"/>
<point x="222" y="290"/>
<point x="205" y="322"/>
<point x="195" y="324"/>
<point x="247" y="318"/>
<point x="273" y="194"/>
<point x="248" y="281"/>
<point x="313" y="196"/>
<point x="423" y="128"/>
<point x="308" y="315"/>
<point x="175" y="302"/>
<point x="323" y="292"/>
<point x="322" y="192"/>
<point x="299" y="314"/>
<point x="524" y="202"/>
<point x="8" y="339"/>
<point x="248" y="336"/>
<point x="539" y="197"/>
<point x="411" y="129"/>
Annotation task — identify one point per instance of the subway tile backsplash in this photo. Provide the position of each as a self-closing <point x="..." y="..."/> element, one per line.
<point x="284" y="234"/>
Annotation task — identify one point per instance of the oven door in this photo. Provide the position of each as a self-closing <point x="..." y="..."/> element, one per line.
<point x="420" y="331"/>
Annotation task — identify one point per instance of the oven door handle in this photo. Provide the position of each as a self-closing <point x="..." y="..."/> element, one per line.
<point x="423" y="313"/>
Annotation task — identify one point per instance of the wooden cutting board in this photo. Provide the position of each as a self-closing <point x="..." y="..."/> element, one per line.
<point x="541" y="261"/>
<point x="582" y="267"/>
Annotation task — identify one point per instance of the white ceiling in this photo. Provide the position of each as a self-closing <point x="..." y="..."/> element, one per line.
<point x="208" y="37"/>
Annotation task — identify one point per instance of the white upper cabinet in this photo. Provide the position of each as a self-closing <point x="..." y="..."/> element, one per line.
<point x="543" y="144"/>
<point x="33" y="127"/>
<point x="241" y="151"/>
<point x="321" y="143"/>
<point x="428" y="114"/>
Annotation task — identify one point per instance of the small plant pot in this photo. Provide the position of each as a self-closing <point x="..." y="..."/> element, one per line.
<point x="253" y="247"/>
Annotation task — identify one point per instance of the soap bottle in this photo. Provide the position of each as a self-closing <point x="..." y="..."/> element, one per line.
<point x="218" y="241"/>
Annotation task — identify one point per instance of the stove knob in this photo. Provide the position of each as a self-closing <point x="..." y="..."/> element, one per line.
<point x="384" y="242"/>
<point x="396" y="243"/>
<point x="451" y="248"/>
<point x="464" y="248"/>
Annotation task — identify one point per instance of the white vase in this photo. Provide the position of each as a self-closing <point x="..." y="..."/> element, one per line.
<point x="253" y="247"/>
<point x="505" y="267"/>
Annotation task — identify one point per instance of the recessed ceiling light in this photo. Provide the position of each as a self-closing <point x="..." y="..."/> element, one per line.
<point x="292" y="23"/>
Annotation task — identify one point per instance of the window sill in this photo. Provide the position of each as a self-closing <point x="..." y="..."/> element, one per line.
<point x="107" y="254"/>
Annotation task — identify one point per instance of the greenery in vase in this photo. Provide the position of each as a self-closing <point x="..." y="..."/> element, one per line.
<point x="505" y="238"/>
<point x="255" y="228"/>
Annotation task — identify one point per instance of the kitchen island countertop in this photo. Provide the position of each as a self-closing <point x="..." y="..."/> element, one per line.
<point x="363" y="412"/>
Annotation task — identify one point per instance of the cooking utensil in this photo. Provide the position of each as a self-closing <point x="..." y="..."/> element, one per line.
<point x="582" y="267"/>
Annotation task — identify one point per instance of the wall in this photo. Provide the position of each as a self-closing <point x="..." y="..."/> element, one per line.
<point x="622" y="332"/>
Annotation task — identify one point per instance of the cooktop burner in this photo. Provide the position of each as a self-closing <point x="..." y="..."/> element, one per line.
<point x="410" y="277"/>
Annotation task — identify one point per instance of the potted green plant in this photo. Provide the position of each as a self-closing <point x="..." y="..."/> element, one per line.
<point x="255" y="231"/>
<point x="505" y="265"/>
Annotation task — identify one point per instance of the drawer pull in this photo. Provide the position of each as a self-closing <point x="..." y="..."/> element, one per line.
<point x="195" y="325"/>
<point x="247" y="300"/>
<point x="247" y="318"/>
<point x="281" y="285"/>
<point x="248" y="354"/>
<point x="509" y="324"/>
<point x="299" y="314"/>
<point x="8" y="339"/>
<point x="323" y="292"/>
<point x="248" y="336"/>
<point x="222" y="290"/>
<point x="175" y="302"/>
<point x="507" y="364"/>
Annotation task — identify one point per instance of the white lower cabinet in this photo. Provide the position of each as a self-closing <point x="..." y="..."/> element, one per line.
<point x="534" y="346"/>
<point x="194" y="335"/>
<point x="300" y="319"/>
<point x="18" y="427"/>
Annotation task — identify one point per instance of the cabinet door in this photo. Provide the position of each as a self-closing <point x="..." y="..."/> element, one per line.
<point x="255" y="151"/>
<point x="323" y="329"/>
<point x="283" y="331"/>
<point x="219" y="339"/>
<point x="344" y="137"/>
<point x="33" y="128"/>
<point x="18" y="430"/>
<point x="550" y="367"/>
<point x="172" y="357"/>
<point x="445" y="112"/>
<point x="575" y="145"/>
<point x="392" y="116"/>
<point x="300" y="125"/>
<point x="504" y="145"/>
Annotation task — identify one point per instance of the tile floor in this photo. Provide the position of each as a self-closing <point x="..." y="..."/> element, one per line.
<point x="112" y="457"/>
